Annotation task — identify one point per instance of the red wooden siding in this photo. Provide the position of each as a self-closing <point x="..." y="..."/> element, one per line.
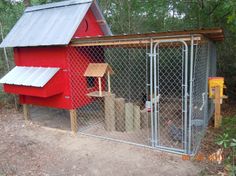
<point x="88" y="27"/>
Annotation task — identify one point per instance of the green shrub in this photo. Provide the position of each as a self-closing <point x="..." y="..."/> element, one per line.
<point x="227" y="141"/>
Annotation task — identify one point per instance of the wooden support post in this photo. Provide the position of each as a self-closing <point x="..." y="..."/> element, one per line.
<point x="144" y="119"/>
<point x="100" y="86"/>
<point x="120" y="114"/>
<point x="109" y="82"/>
<point x="26" y="112"/>
<point x="16" y="101"/>
<point x="129" y="116"/>
<point x="218" y="118"/>
<point x="73" y="121"/>
<point x="110" y="112"/>
<point x="136" y="117"/>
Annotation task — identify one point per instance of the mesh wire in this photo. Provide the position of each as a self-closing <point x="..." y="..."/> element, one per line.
<point x="170" y="85"/>
<point x="121" y="114"/>
<point x="200" y="95"/>
<point x="212" y="73"/>
<point x="118" y="115"/>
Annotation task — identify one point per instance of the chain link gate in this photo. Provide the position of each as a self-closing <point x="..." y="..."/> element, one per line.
<point x="170" y="86"/>
<point x="156" y="97"/>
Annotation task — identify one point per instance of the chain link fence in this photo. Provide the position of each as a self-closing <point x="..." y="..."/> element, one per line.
<point x="144" y="93"/>
<point x="121" y="114"/>
<point x="204" y="66"/>
<point x="199" y="105"/>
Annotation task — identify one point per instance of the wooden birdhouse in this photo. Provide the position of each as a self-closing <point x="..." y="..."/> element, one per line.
<point x="99" y="70"/>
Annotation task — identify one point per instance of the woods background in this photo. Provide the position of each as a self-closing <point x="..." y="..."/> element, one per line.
<point x="141" y="16"/>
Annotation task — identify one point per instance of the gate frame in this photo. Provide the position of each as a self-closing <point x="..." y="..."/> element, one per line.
<point x="155" y="118"/>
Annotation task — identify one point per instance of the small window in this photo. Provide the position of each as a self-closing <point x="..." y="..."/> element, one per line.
<point x="90" y="82"/>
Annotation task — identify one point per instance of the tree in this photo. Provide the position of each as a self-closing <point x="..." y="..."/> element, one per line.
<point x="133" y="16"/>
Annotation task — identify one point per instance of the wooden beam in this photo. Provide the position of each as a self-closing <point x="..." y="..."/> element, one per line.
<point x="108" y="82"/>
<point x="97" y="94"/>
<point x="100" y="86"/>
<point x="218" y="118"/>
<point x="137" y="118"/>
<point x="128" y="42"/>
<point x="144" y="115"/>
<point x="73" y="121"/>
<point x="120" y="114"/>
<point x="26" y="112"/>
<point x="129" y="117"/>
<point x="101" y="21"/>
<point x="110" y="112"/>
<point x="209" y="33"/>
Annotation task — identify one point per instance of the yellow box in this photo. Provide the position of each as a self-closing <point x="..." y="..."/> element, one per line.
<point x="214" y="82"/>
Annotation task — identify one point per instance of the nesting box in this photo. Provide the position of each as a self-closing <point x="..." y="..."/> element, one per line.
<point x="213" y="82"/>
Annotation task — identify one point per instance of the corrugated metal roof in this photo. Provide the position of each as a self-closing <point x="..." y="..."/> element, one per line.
<point x="57" y="4"/>
<point x="51" y="24"/>
<point x="29" y="76"/>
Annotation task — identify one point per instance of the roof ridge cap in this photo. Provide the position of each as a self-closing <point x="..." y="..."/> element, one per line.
<point x="56" y="5"/>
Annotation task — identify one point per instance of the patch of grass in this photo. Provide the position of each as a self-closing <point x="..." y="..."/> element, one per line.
<point x="227" y="140"/>
<point x="229" y="126"/>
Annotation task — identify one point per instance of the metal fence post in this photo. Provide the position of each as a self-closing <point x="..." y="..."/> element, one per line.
<point x="186" y="98"/>
<point x="156" y="109"/>
<point x="190" y="96"/>
<point x="206" y="111"/>
<point x="151" y="92"/>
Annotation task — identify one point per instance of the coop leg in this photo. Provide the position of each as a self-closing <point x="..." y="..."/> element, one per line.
<point x="26" y="112"/>
<point x="73" y="121"/>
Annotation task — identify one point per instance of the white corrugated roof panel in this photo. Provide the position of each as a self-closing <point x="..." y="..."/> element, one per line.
<point x="51" y="24"/>
<point x="29" y="76"/>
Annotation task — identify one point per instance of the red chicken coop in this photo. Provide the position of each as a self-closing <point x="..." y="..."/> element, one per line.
<point x="145" y="89"/>
<point x="40" y="40"/>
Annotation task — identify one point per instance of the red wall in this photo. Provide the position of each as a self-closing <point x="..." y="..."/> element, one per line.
<point x="41" y="56"/>
<point x="58" y="56"/>
<point x="88" y="27"/>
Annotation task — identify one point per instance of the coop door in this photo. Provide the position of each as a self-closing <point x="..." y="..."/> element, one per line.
<point x="169" y="65"/>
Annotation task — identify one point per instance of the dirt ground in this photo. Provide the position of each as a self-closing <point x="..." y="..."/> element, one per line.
<point x="33" y="149"/>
